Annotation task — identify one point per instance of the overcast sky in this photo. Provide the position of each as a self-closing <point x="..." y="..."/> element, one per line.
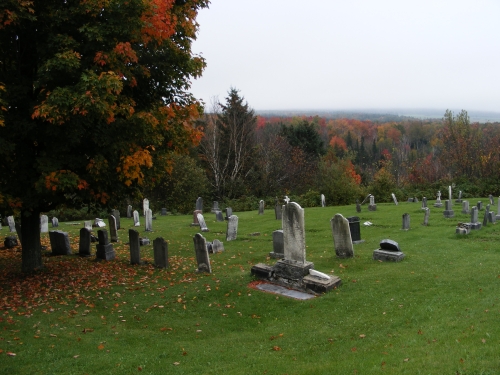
<point x="357" y="54"/>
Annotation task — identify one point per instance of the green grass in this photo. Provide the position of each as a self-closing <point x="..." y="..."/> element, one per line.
<point x="436" y="312"/>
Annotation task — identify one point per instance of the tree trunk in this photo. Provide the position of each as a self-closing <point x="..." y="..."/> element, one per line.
<point x="30" y="233"/>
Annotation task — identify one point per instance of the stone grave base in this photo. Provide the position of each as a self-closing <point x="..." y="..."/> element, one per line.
<point x="356" y="242"/>
<point x="295" y="275"/>
<point x="439" y="205"/>
<point x="372" y="207"/>
<point x="462" y="229"/>
<point x="448" y="213"/>
<point x="274" y="255"/>
<point x="105" y="252"/>
<point x="388" y="256"/>
<point x="475" y="226"/>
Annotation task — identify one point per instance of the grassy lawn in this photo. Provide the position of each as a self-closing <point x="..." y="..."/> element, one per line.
<point x="436" y="312"/>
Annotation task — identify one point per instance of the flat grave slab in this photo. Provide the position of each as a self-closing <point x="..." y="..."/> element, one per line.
<point x="277" y="289"/>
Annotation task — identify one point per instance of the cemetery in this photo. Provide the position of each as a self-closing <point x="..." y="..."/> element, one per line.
<point x="168" y="297"/>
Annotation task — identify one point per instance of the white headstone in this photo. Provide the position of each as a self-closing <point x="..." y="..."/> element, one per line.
<point x="342" y="240"/>
<point x="203" y="224"/>
<point x="44" y="224"/>
<point x="149" y="221"/>
<point x="145" y="206"/>
<point x="294" y="235"/>
<point x="232" y="228"/>
<point x="12" y="223"/>
<point x="137" y="223"/>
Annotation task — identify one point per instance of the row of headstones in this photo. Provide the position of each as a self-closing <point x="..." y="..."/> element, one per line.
<point x="44" y="223"/>
<point x="232" y="222"/>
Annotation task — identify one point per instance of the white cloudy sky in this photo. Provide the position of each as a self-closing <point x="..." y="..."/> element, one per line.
<point x="352" y="54"/>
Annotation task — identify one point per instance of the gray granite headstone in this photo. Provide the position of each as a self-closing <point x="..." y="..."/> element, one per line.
<point x="485" y="218"/>
<point x="394" y="199"/>
<point x="44" y="224"/>
<point x="129" y="211"/>
<point x="480" y="206"/>
<point x="448" y="212"/>
<point x="450" y="196"/>
<point x="163" y="212"/>
<point x="59" y="243"/>
<point x="104" y="249"/>
<point x="116" y="214"/>
<point x="215" y="206"/>
<point x="160" y="249"/>
<point x="465" y="207"/>
<point x="389" y="251"/>
<point x="278" y="211"/>
<point x="199" y="204"/>
<point x="438" y="200"/>
<point x="137" y="222"/>
<point x="85" y="244"/>
<point x="201" y="251"/>
<point x="203" y="224"/>
<point x="427" y="213"/>
<point x="358" y="206"/>
<point x="424" y="203"/>
<point x="55" y="222"/>
<point x="492" y="201"/>
<point x="145" y="206"/>
<point x="148" y="227"/>
<point x="323" y="201"/>
<point x="406" y="221"/>
<point x="135" y="246"/>
<point x="112" y="228"/>
<point x="87" y="224"/>
<point x="261" y="207"/>
<point x="497" y="216"/>
<point x="229" y="212"/>
<point x="491" y="217"/>
<point x="216" y="246"/>
<point x="232" y="228"/>
<point x="218" y="216"/>
<point x="372" y="206"/>
<point x="474" y="222"/>
<point x="389" y="245"/>
<point x="342" y="240"/>
<point x="278" y="245"/>
<point x="294" y="234"/>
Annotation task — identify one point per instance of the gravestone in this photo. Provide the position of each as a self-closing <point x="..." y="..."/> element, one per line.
<point x="148" y="227"/>
<point x="129" y="211"/>
<point x="480" y="206"/>
<point x="448" y="212"/>
<point x="232" y="228"/>
<point x="438" y="200"/>
<point x="497" y="216"/>
<point x="163" y="212"/>
<point x="342" y="241"/>
<point x="215" y="206"/>
<point x="215" y="247"/>
<point x="160" y="250"/>
<point x="145" y="206"/>
<point x="278" y="211"/>
<point x="424" y="203"/>
<point x="10" y="242"/>
<point x="323" y="201"/>
<point x="491" y="217"/>
<point x="229" y="212"/>
<point x="201" y="251"/>
<point x="474" y="222"/>
<point x="143" y="241"/>
<point x="427" y="213"/>
<point x="201" y="221"/>
<point x="135" y="246"/>
<point x="389" y="251"/>
<point x="450" y="196"/>
<point x="485" y="218"/>
<point x="459" y="200"/>
<point x="137" y="222"/>
<point x="59" y="242"/>
<point x="44" y="224"/>
<point x="394" y="199"/>
<point x="112" y="228"/>
<point x="116" y="214"/>
<point x="278" y="245"/>
<point x="372" y="206"/>
<point x="462" y="228"/>
<point x="355" y="229"/>
<point x="294" y="240"/>
<point x="99" y="223"/>
<point x="261" y="207"/>
<point x="195" y="222"/>
<point x="218" y="216"/>
<point x="358" y="206"/>
<point x="286" y="199"/>
<point x="410" y="200"/>
<point x="199" y="204"/>
<point x="87" y="224"/>
<point x="104" y="249"/>
<point x="406" y="221"/>
<point x="465" y="207"/>
<point x="55" y="222"/>
<point x="492" y="201"/>
<point x="415" y="200"/>
<point x="85" y="244"/>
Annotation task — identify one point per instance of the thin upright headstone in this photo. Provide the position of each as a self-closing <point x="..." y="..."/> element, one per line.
<point x="215" y="206"/>
<point x="438" y="200"/>
<point x="450" y="197"/>
<point x="492" y="201"/>
<point x="342" y="240"/>
<point x="137" y="222"/>
<point x="474" y="222"/>
<point x="112" y="228"/>
<point x="85" y="244"/>
<point x="448" y="212"/>
<point x="160" y="249"/>
<point x="218" y="216"/>
<point x="424" y="203"/>
<point x="278" y="245"/>
<point x="201" y="251"/>
<point x="44" y="224"/>
<point x="59" y="243"/>
<point x="135" y="246"/>
<point x="394" y="199"/>
<point x="485" y="218"/>
<point x="278" y="211"/>
<point x="55" y="222"/>
<point x="372" y="206"/>
<point x="199" y="204"/>
<point x="104" y="249"/>
<point x="229" y="212"/>
<point x="480" y="206"/>
<point x="491" y="217"/>
<point x="323" y="201"/>
<point x="203" y="224"/>
<point x="232" y="228"/>
<point x="261" y="207"/>
<point x="145" y="206"/>
<point x="358" y="206"/>
<point x="497" y="216"/>
<point x="129" y="211"/>
<point x="148" y="221"/>
<point x="465" y="207"/>
<point x="116" y="214"/>
<point x="406" y="221"/>
<point x="427" y="213"/>
<point x="294" y="235"/>
<point x="459" y="199"/>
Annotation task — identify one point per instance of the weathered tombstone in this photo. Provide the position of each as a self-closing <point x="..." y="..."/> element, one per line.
<point x="491" y="217"/>
<point x="448" y="212"/>
<point x="215" y="206"/>
<point x="427" y="213"/>
<point x="462" y="228"/>
<point x="137" y="222"/>
<point x="145" y="206"/>
<point x="474" y="222"/>
<point x="201" y="251"/>
<point x="438" y="200"/>
<point x="129" y="211"/>
<point x="358" y="206"/>
<point x="232" y="228"/>
<point x="148" y="227"/>
<point x="44" y="224"/>
<point x="87" y="224"/>
<point x="294" y="239"/>
<point x="218" y="216"/>
<point x="143" y="241"/>
<point x="112" y="228"/>
<point x="59" y="242"/>
<point x="480" y="206"/>
<point x="85" y="244"/>
<point x="450" y="197"/>
<point x="278" y="211"/>
<point x="201" y="221"/>
<point x="394" y="199"/>
<point x="323" y="201"/>
<point x="459" y="200"/>
<point x="278" y="245"/>
<point x="424" y="203"/>
<point x="485" y="218"/>
<point x="135" y="246"/>
<point x="10" y="242"/>
<point x="199" y="204"/>
<point x="389" y="251"/>
<point x="372" y="206"/>
<point x="216" y="246"/>
<point x="465" y="207"/>
<point x="160" y="249"/>
<point x="355" y="228"/>
<point x="261" y="207"/>
<point x="342" y="241"/>
<point x="163" y="212"/>
<point x="195" y="222"/>
<point x="116" y="214"/>
<point x="492" y="201"/>
<point x="229" y="212"/>
<point x="55" y="222"/>
<point x="415" y="200"/>
<point x="104" y="249"/>
<point x="410" y="200"/>
<point x="406" y="221"/>
<point x="99" y="223"/>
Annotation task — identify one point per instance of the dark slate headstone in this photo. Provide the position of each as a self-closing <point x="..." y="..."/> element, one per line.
<point x="278" y="245"/>
<point x="163" y="212"/>
<point x="105" y="250"/>
<point x="201" y="251"/>
<point x="144" y="241"/>
<point x="389" y="245"/>
<point x="218" y="216"/>
<point x="355" y="229"/>
<point x="55" y="222"/>
<point x="199" y="204"/>
<point x="229" y="212"/>
<point x="10" y="242"/>
<point x="116" y="214"/>
<point x="160" y="249"/>
<point x="84" y="246"/>
<point x="135" y="247"/>
<point x="59" y="242"/>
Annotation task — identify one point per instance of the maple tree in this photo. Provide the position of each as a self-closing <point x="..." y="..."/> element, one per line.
<point x="93" y="100"/>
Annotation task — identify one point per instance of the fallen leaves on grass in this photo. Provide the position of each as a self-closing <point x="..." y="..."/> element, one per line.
<point x="276" y="348"/>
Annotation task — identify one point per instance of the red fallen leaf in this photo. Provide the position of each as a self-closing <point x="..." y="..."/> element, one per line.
<point x="165" y="329"/>
<point x="420" y="332"/>
<point x="139" y="368"/>
<point x="461" y="360"/>
<point x="100" y="347"/>
<point x="353" y="281"/>
<point x="184" y="353"/>
<point x="276" y="348"/>
<point x="354" y="349"/>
